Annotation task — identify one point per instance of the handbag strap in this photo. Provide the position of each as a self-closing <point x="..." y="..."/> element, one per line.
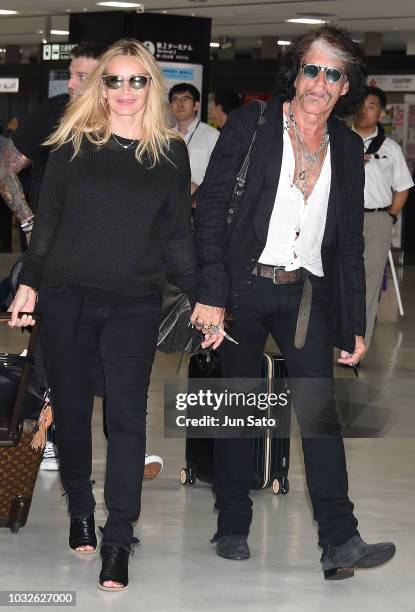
<point x="244" y="168"/>
<point x="14" y="426"/>
<point x="240" y="182"/>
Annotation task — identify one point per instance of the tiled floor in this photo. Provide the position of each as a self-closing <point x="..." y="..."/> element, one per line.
<point x="175" y="567"/>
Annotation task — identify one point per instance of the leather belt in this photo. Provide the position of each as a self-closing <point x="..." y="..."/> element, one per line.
<point x="376" y="209"/>
<point x="280" y="276"/>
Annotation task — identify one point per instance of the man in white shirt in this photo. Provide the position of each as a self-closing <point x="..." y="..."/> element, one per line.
<point x="290" y="262"/>
<point x="387" y="183"/>
<point x="200" y="137"/>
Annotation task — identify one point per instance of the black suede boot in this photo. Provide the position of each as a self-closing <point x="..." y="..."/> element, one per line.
<point x="339" y="562"/>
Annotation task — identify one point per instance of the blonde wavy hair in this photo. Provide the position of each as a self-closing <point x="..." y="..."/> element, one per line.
<point x="89" y="114"/>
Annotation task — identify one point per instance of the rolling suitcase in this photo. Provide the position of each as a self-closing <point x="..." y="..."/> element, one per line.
<point x="20" y="406"/>
<point x="270" y="455"/>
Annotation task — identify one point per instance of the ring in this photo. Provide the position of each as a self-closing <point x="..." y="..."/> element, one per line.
<point x="198" y="325"/>
<point x="205" y="328"/>
<point x="214" y="329"/>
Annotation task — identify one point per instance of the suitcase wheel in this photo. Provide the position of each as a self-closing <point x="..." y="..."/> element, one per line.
<point x="280" y="486"/>
<point x="186" y="476"/>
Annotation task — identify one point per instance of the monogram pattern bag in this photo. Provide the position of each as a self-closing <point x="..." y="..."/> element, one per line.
<point x="19" y="461"/>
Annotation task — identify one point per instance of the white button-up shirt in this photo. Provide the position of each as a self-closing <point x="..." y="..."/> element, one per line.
<point x="386" y="174"/>
<point x="200" y="139"/>
<point x="291" y="215"/>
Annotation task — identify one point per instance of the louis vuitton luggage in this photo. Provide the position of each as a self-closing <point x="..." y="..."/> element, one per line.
<point x="20" y="406"/>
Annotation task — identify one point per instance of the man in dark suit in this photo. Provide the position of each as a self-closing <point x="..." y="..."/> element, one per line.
<point x="290" y="262"/>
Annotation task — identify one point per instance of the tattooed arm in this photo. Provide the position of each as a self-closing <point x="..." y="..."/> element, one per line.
<point x="11" y="163"/>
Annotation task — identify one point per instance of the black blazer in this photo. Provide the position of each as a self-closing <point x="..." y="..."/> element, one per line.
<point x="227" y="256"/>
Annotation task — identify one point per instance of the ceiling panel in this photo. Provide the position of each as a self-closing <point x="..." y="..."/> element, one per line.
<point x="236" y="18"/>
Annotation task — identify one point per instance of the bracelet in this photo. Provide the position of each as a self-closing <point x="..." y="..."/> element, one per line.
<point x="27" y="225"/>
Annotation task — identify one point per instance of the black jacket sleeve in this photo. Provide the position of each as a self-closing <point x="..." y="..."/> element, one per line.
<point x="39" y="125"/>
<point x="214" y="201"/>
<point x="353" y="244"/>
<point x="176" y="237"/>
<point x="51" y="201"/>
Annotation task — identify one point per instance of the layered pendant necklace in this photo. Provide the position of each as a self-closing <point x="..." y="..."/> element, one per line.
<point x="307" y="163"/>
<point x="124" y="146"/>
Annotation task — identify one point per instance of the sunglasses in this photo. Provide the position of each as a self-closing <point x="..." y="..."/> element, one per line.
<point x="136" y="81"/>
<point x="311" y="71"/>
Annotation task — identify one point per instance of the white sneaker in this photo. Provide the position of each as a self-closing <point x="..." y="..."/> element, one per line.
<point x="50" y="459"/>
<point x="153" y="465"/>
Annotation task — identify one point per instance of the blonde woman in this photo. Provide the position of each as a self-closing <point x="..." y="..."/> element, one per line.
<point x="113" y="223"/>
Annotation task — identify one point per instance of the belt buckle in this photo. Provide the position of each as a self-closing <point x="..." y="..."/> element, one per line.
<point x="275" y="274"/>
<point x="290" y="276"/>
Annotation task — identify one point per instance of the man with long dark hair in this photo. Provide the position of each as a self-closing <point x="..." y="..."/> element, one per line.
<point x="291" y="263"/>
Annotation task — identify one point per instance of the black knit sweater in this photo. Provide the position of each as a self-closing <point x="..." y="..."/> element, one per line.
<point x="108" y="222"/>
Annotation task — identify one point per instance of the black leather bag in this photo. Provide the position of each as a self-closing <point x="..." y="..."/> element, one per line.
<point x="175" y="334"/>
<point x="20" y="395"/>
<point x="11" y="370"/>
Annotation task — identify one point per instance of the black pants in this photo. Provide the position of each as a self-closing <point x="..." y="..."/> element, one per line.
<point x="75" y="332"/>
<point x="263" y="307"/>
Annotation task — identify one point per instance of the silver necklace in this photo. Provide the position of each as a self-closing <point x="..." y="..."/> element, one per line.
<point x="127" y="146"/>
<point x="302" y="153"/>
<point x="310" y="157"/>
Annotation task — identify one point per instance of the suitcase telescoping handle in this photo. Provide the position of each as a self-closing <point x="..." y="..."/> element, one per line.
<point x="14" y="426"/>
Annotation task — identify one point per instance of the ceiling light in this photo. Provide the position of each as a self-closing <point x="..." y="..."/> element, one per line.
<point x="6" y="12"/>
<point x="60" y="32"/>
<point x="121" y="4"/>
<point x="306" y="20"/>
<point x="283" y="43"/>
<point x="44" y="41"/>
<point x="215" y="45"/>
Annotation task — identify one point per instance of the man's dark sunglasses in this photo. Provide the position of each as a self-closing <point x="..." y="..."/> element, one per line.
<point x="311" y="71"/>
<point x="136" y="81"/>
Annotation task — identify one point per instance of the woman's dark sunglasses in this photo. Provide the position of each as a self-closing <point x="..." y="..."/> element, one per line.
<point x="136" y="81"/>
<point x="311" y="71"/>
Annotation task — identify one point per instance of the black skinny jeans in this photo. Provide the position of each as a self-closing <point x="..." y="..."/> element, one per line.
<point x="262" y="308"/>
<point x="75" y="332"/>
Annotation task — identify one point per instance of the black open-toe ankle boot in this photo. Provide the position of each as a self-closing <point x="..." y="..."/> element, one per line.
<point x="82" y="533"/>
<point x="114" y="566"/>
